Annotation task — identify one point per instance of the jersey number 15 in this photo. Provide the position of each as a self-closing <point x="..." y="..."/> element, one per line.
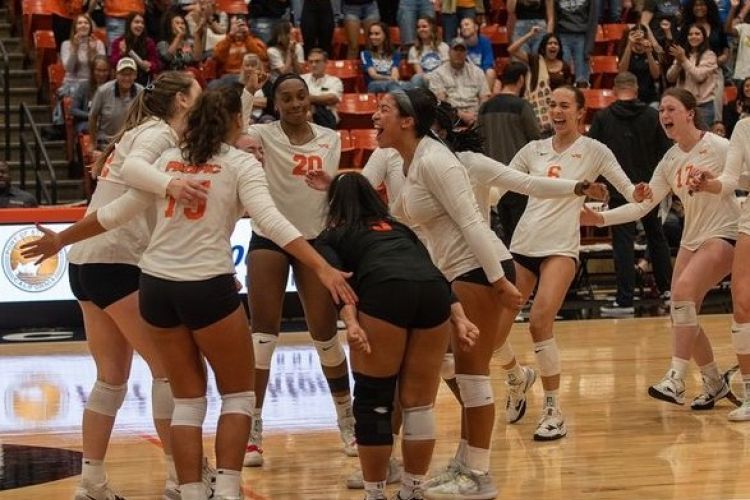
<point x="192" y="212"/>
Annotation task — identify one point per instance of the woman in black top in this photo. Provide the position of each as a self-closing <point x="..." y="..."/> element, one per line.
<point x="398" y="332"/>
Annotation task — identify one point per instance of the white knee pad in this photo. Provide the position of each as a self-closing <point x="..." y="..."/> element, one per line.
<point x="448" y="368"/>
<point x="683" y="313"/>
<point x="162" y="403"/>
<point x="741" y="337"/>
<point x="548" y="357"/>
<point x="189" y="412"/>
<point x="476" y="390"/>
<point x="238" y="402"/>
<point x="330" y="352"/>
<point x="106" y="399"/>
<point x="504" y="354"/>
<point x="263" y="346"/>
<point x="419" y="423"/>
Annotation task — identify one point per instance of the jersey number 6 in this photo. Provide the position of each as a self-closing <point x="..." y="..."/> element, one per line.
<point x="192" y="212"/>
<point x="305" y="164"/>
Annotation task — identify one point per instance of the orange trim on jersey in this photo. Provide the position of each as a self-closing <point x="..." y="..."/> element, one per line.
<point x="121" y="8"/>
<point x="206" y="168"/>
<point x="41" y="214"/>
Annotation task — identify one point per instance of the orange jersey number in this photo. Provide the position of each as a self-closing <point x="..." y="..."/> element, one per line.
<point x="679" y="178"/>
<point x="305" y="164"/>
<point x="192" y="212"/>
<point x="554" y="171"/>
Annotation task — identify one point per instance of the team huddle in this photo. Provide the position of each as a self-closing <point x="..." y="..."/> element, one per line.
<point x="425" y="288"/>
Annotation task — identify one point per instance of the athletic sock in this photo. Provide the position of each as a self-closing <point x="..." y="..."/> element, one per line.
<point x="193" y="491"/>
<point x="374" y="489"/>
<point x="409" y="483"/>
<point x="343" y="406"/>
<point x="478" y="459"/>
<point x="227" y="483"/>
<point x="461" y="451"/>
<point x="680" y="367"/>
<point x="515" y="374"/>
<point x="711" y="372"/>
<point x="550" y="398"/>
<point x="92" y="471"/>
<point x="171" y="469"/>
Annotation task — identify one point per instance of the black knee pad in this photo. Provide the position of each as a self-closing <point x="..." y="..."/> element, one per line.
<point x="340" y="384"/>
<point x="373" y="405"/>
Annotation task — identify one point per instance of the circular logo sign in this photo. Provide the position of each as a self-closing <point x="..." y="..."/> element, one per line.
<point x="24" y="273"/>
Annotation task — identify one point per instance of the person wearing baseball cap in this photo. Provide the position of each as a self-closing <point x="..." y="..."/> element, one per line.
<point x="111" y="101"/>
<point x="126" y="63"/>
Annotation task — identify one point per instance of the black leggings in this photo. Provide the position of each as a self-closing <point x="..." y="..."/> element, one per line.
<point x="317" y="25"/>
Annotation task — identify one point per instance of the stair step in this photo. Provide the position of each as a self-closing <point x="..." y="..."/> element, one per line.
<point x="55" y="149"/>
<point x="5" y="29"/>
<point x="68" y="190"/>
<point x="40" y="112"/>
<point x="12" y="43"/>
<point x="15" y="58"/>
<point x="15" y="130"/>
<point x="60" y="167"/>
<point x="21" y="77"/>
<point x="19" y="95"/>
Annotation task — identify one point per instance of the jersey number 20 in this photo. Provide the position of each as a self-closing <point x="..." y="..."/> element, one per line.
<point x="304" y="164"/>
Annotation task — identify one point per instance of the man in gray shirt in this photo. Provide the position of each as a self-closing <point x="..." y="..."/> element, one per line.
<point x="111" y="101"/>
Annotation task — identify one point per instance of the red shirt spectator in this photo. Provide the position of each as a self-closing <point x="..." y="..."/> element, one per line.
<point x="136" y="44"/>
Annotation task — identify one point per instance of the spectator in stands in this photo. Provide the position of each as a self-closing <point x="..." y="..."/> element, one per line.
<point x="655" y="11"/>
<point x="705" y="13"/>
<point x="637" y="56"/>
<point x="78" y="52"/>
<point x="110" y="104"/>
<point x="285" y="55"/>
<point x="530" y="13"/>
<point x="613" y="9"/>
<point x="156" y="10"/>
<point x="379" y="61"/>
<point x="212" y="25"/>
<point x="325" y="90"/>
<point x="137" y="45"/>
<point x="230" y="52"/>
<point x="428" y="51"/>
<point x="179" y="50"/>
<point x="739" y="107"/>
<point x="63" y="13"/>
<point x="547" y="71"/>
<point x="317" y="25"/>
<point x="117" y="12"/>
<point x="479" y="49"/>
<point x="576" y="27"/>
<point x="409" y="12"/>
<point x="263" y="106"/>
<point x="84" y="94"/>
<point x="694" y="69"/>
<point x="356" y="13"/>
<point x="631" y="129"/>
<point x="719" y="129"/>
<point x="460" y="83"/>
<point x="507" y="123"/>
<point x="455" y="11"/>
<point x="264" y="15"/>
<point x="12" y="197"/>
<point x="737" y="24"/>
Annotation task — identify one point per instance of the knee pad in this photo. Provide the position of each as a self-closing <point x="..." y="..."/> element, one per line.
<point x="189" y="412"/>
<point x="340" y="384"/>
<point x="238" y="402"/>
<point x="419" y="423"/>
<point x="504" y="354"/>
<point x="741" y="337"/>
<point x="263" y="347"/>
<point x="106" y="399"/>
<point x="448" y="368"/>
<point x="548" y="357"/>
<point x="372" y="407"/>
<point x="162" y="403"/>
<point x="683" y="313"/>
<point x="476" y="390"/>
<point x="330" y="352"/>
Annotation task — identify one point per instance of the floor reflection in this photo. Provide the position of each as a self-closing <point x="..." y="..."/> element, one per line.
<point x="29" y="465"/>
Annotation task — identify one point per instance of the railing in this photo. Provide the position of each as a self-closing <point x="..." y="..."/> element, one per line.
<point x="6" y="97"/>
<point x="38" y="154"/>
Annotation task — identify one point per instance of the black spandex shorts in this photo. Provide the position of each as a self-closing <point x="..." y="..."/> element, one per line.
<point x="407" y="304"/>
<point x="103" y="284"/>
<point x="480" y="278"/>
<point x="730" y="241"/>
<point x="195" y="304"/>
<point x="534" y="264"/>
<point x="258" y="242"/>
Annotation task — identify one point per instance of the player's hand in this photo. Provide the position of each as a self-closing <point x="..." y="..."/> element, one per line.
<point x="466" y="332"/>
<point x="698" y="179"/>
<point x="45" y="247"/>
<point x="510" y="297"/>
<point x="642" y="192"/>
<point x="590" y="217"/>
<point x="597" y="191"/>
<point x="357" y="338"/>
<point x="318" y="179"/>
<point x="335" y="281"/>
<point x="187" y="191"/>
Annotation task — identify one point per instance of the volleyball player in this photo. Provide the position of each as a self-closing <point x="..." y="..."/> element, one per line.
<point x="104" y="275"/>
<point x="293" y="146"/>
<point x="706" y="248"/>
<point x="187" y="290"/>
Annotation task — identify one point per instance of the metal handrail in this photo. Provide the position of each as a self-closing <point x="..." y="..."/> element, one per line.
<point x="39" y="156"/>
<point x="6" y="97"/>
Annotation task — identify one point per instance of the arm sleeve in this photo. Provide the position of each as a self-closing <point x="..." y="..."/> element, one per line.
<point x="437" y="85"/>
<point x="449" y="184"/>
<point x="705" y="69"/>
<point x="124" y="208"/>
<point x="736" y="158"/>
<point x="275" y="61"/>
<point x="138" y="170"/>
<point x="152" y="56"/>
<point x="613" y="172"/>
<point x="488" y="58"/>
<point x="96" y="103"/>
<point x="632" y="211"/>
<point x="163" y="49"/>
<point x="376" y="167"/>
<point x="413" y="58"/>
<point x="252" y="187"/>
<point x="520" y="161"/>
<point x="247" y="107"/>
<point x="221" y="51"/>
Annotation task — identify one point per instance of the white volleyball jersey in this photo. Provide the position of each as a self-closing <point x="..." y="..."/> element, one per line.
<point x="706" y="215"/>
<point x="437" y="197"/>
<point x="286" y="165"/>
<point x="385" y="166"/>
<point x="130" y="163"/>
<point x="551" y="226"/>
<point x="736" y="174"/>
<point x="191" y="243"/>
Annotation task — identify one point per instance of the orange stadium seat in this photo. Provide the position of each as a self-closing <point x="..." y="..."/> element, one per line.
<point x="348" y="70"/>
<point x="499" y="38"/>
<point x="356" y="110"/>
<point x="45" y="53"/>
<point x="603" y="71"/>
<point x="36" y="16"/>
<point x="614" y="33"/>
<point x="347" y="150"/>
<point x="597" y="99"/>
<point x="56" y="75"/>
<point x="730" y="94"/>
<point x="365" y="142"/>
<point x="232" y="6"/>
<point x="395" y="34"/>
<point x="500" y="64"/>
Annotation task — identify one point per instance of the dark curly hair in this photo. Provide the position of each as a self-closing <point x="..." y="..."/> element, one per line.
<point x="352" y="201"/>
<point x="209" y="123"/>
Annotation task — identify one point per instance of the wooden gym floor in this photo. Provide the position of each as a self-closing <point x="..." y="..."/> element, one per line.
<point x="620" y="443"/>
